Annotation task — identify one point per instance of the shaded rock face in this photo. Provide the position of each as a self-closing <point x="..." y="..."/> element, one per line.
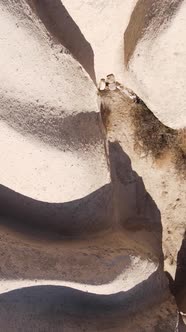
<point x="86" y="200"/>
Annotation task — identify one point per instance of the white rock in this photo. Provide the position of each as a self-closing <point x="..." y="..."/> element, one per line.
<point x="102" y="84"/>
<point x="110" y="79"/>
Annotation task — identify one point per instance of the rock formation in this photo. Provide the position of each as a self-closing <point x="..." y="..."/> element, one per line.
<point x="92" y="181"/>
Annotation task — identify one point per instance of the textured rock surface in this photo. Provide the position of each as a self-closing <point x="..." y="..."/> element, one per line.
<point x="49" y="114"/>
<point x="155" y="50"/>
<point x="87" y="213"/>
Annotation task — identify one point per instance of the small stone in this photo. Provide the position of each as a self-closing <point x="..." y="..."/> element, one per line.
<point x="112" y="86"/>
<point x="110" y="79"/>
<point x="102" y="84"/>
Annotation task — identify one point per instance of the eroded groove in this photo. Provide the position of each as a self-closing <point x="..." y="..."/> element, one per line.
<point x="58" y="21"/>
<point x="68" y="219"/>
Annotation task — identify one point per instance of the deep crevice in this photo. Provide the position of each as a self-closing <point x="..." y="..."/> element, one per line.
<point x="61" y="25"/>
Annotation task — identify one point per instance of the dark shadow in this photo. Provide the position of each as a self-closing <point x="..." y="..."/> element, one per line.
<point x="49" y="307"/>
<point x="73" y="131"/>
<point x="123" y="208"/>
<point x="181" y="326"/>
<point x="147" y="14"/>
<point x="171" y="282"/>
<point x="90" y="214"/>
<point x="61" y="25"/>
<point x="126" y="194"/>
<point x="54" y="304"/>
<point x="136" y="208"/>
<point x="180" y="277"/>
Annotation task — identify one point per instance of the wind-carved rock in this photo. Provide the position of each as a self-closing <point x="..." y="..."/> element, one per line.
<point x="81" y="238"/>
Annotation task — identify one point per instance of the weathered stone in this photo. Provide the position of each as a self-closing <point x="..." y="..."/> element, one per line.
<point x="83" y="237"/>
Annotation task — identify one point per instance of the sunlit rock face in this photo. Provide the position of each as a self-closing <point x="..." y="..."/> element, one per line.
<point x="154" y="56"/>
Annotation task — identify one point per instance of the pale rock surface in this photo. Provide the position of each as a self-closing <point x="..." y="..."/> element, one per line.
<point x="103" y="24"/>
<point x="155" y="51"/>
<point x="144" y="47"/>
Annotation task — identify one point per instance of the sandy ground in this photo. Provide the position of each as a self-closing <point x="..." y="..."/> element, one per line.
<point x="72" y="262"/>
<point x="168" y="192"/>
